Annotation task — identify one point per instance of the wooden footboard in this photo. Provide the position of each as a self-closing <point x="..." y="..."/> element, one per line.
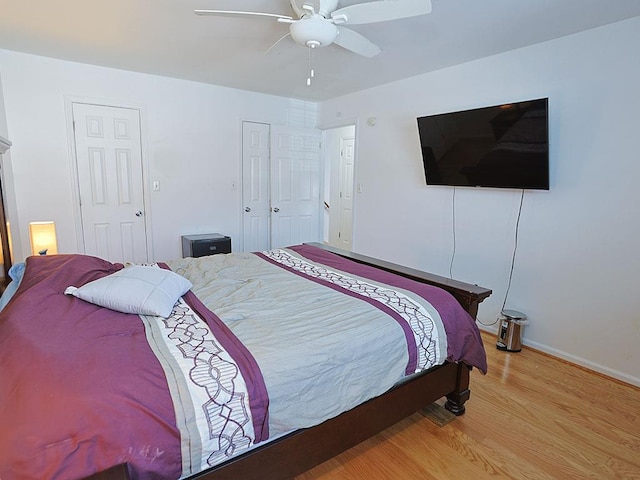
<point x="300" y="451"/>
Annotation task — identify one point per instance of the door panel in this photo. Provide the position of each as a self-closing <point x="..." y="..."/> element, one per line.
<point x="347" y="157"/>
<point x="295" y="183"/>
<point x="110" y="183"/>
<point x="255" y="186"/>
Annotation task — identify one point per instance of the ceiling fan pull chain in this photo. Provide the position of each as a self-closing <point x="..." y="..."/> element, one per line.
<point x="311" y="73"/>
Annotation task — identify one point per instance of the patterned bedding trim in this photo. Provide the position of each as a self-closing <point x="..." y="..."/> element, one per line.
<point x="420" y="321"/>
<point x="220" y="399"/>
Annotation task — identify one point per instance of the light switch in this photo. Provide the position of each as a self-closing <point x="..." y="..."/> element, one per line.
<point x="156" y="186"/>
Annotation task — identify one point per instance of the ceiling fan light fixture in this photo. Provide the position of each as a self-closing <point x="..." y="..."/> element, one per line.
<point x="313" y="32"/>
<point x="319" y="23"/>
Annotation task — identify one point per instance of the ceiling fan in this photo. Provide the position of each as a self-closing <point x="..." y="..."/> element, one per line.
<point x="320" y="22"/>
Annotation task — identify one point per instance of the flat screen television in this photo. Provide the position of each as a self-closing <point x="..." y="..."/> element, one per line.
<point x="503" y="146"/>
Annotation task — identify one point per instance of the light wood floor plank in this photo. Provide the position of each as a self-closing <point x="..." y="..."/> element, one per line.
<point x="531" y="417"/>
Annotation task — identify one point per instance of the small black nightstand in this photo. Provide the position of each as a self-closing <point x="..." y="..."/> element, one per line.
<point x="205" y="244"/>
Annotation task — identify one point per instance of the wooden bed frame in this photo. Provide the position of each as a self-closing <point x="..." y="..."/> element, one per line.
<point x="302" y="450"/>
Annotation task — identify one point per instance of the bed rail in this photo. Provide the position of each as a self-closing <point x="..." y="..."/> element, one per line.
<point x="467" y="294"/>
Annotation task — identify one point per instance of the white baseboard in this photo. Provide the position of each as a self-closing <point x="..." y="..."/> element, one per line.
<point x="581" y="362"/>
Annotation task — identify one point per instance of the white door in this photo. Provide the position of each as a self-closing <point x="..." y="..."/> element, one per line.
<point x="256" y="220"/>
<point x="340" y="185"/>
<point x="281" y="186"/>
<point x="109" y="164"/>
<point x="347" y="157"/>
<point x="295" y="186"/>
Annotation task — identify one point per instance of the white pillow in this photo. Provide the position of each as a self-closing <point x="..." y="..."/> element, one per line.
<point x="135" y="289"/>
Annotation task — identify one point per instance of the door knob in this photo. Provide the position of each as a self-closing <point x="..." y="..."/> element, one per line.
<point x="276" y="209"/>
<point x="139" y="213"/>
<point x="247" y="209"/>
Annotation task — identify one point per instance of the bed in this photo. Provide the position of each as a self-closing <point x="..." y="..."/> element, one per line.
<point x="89" y="391"/>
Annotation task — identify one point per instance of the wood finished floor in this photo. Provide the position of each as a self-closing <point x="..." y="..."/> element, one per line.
<point x="531" y="417"/>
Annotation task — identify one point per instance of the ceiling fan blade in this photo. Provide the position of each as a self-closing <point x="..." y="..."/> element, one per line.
<point x="356" y="43"/>
<point x="277" y="43"/>
<point x="381" y="11"/>
<point x="235" y="13"/>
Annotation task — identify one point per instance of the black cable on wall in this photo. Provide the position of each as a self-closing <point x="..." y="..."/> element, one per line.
<point x="513" y="261"/>
<point x="453" y="227"/>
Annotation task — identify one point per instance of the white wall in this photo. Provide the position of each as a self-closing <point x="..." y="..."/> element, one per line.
<point x="193" y="142"/>
<point x="577" y="266"/>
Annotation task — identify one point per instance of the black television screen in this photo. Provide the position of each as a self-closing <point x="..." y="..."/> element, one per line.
<point x="504" y="146"/>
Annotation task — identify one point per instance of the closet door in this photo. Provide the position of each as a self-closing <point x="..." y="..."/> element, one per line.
<point x="256" y="221"/>
<point x="280" y="186"/>
<point x="295" y="186"/>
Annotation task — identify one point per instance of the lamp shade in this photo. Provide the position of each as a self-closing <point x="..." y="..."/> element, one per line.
<point x="43" y="238"/>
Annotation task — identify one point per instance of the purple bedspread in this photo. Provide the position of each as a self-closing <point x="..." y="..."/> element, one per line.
<point x="80" y="388"/>
<point x="63" y="393"/>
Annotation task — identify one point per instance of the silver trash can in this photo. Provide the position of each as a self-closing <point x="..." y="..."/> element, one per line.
<point x="509" y="334"/>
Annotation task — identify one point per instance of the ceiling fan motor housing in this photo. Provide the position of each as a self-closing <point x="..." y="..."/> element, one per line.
<point x="313" y="31"/>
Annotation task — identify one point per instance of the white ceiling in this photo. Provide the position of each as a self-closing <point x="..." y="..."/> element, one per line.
<point x="165" y="37"/>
